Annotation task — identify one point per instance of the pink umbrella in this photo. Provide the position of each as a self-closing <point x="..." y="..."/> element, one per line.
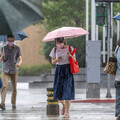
<point x="66" y="32"/>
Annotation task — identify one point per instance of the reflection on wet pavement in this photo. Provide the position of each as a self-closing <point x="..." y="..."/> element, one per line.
<point x="31" y="105"/>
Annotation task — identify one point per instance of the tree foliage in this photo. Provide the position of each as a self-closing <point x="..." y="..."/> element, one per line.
<point x="116" y="8"/>
<point x="59" y="13"/>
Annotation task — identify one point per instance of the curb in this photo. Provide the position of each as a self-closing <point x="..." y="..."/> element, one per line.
<point x="94" y="101"/>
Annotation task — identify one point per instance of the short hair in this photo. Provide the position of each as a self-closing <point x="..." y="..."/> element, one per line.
<point x="8" y="36"/>
<point x="60" y="39"/>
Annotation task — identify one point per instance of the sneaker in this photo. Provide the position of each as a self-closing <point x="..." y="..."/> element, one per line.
<point x="13" y="106"/>
<point x="2" y="107"/>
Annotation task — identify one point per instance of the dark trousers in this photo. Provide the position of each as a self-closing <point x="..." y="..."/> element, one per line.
<point x="117" y="86"/>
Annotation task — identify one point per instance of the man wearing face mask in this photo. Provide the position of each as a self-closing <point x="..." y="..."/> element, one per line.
<point x="12" y="59"/>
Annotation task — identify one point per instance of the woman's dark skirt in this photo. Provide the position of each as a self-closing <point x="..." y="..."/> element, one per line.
<point x="63" y="83"/>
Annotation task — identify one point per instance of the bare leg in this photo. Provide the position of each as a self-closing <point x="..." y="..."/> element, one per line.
<point x="63" y="108"/>
<point x="67" y="104"/>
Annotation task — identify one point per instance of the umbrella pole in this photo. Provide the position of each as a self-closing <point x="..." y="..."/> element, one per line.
<point x="66" y="45"/>
<point x="66" y="42"/>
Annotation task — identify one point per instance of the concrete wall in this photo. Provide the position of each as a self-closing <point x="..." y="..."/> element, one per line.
<point x="45" y="81"/>
<point x="31" y="47"/>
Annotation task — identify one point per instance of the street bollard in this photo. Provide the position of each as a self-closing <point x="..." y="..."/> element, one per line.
<point x="52" y="105"/>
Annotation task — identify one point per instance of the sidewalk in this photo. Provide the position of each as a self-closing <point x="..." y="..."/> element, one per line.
<point x="81" y="97"/>
<point x="31" y="105"/>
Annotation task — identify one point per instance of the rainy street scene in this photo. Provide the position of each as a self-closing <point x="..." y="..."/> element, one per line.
<point x="59" y="59"/>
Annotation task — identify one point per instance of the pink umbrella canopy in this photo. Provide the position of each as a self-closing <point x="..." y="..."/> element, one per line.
<point x="66" y="32"/>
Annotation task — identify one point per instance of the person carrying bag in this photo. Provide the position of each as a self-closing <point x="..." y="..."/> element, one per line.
<point x="63" y="89"/>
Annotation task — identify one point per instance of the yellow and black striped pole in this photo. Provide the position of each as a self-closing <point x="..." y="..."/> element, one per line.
<point x="52" y="105"/>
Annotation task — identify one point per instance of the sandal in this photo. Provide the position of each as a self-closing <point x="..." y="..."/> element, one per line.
<point x="63" y="110"/>
<point x="66" y="115"/>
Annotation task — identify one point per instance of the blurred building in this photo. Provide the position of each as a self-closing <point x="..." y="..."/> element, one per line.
<point x="31" y="47"/>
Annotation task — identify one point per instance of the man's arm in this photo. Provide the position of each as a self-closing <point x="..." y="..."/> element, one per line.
<point x="2" y="55"/>
<point x="20" y="59"/>
<point x="20" y="62"/>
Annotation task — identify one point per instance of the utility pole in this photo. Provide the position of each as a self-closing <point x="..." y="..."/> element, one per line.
<point x="111" y="38"/>
<point x="87" y="18"/>
<point x="93" y="22"/>
<point x="108" y="43"/>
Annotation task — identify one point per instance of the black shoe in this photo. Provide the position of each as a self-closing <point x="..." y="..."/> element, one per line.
<point x="2" y="107"/>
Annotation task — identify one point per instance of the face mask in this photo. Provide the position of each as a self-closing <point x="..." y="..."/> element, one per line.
<point x="10" y="43"/>
<point x="60" y="45"/>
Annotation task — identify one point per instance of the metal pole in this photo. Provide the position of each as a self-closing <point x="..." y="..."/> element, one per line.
<point x="118" y="29"/>
<point x="93" y="22"/>
<point x="108" y="43"/>
<point x="97" y="29"/>
<point x="111" y="39"/>
<point x="87" y="18"/>
<point x="104" y="33"/>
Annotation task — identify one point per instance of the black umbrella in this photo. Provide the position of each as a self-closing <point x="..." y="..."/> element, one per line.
<point x="15" y="15"/>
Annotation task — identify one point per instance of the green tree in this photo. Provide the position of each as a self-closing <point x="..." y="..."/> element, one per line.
<point x="59" y="13"/>
<point x="116" y="8"/>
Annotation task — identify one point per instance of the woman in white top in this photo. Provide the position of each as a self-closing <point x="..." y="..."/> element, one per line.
<point x="63" y="81"/>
